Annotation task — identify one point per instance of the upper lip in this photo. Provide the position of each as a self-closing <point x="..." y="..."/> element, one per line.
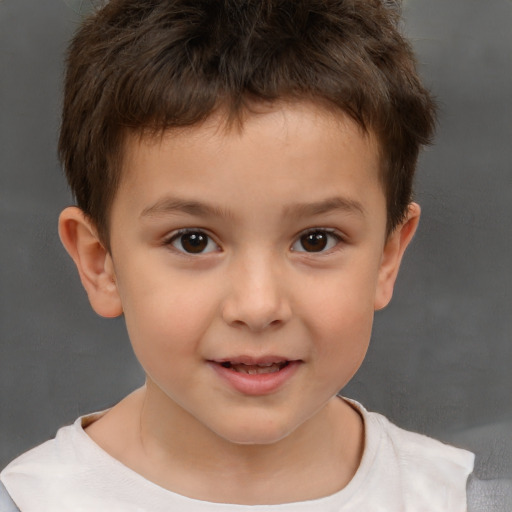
<point x="253" y="361"/>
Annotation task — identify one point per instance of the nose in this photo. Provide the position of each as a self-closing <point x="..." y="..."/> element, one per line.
<point x="257" y="297"/>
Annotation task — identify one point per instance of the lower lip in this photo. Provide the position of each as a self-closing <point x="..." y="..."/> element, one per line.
<point x="256" y="384"/>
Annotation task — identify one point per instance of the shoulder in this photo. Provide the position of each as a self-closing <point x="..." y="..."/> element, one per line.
<point x="411" y="450"/>
<point x="423" y="460"/>
<point x="26" y="478"/>
<point x="420" y="451"/>
<point x="47" y="469"/>
<point x="427" y="474"/>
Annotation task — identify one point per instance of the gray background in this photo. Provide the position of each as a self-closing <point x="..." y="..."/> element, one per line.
<point x="442" y="351"/>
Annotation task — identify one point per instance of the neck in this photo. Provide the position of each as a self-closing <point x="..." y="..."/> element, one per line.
<point x="159" y="440"/>
<point x="185" y="456"/>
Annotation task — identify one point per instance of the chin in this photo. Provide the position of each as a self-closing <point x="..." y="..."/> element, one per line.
<point x="256" y="433"/>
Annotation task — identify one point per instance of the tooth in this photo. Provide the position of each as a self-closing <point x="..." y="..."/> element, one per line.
<point x="271" y="369"/>
<point x="255" y="369"/>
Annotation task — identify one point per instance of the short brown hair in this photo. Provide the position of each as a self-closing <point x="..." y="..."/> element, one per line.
<point x="160" y="64"/>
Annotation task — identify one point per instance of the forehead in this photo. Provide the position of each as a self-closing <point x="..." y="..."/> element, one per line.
<point x="299" y="146"/>
<point x="318" y="117"/>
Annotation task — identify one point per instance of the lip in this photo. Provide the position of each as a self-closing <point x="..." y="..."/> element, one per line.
<point x="250" y="360"/>
<point x="257" y="384"/>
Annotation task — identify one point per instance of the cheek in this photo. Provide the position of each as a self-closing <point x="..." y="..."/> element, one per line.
<point x="341" y="319"/>
<point x="345" y="332"/>
<point x="166" y="322"/>
<point x="342" y="346"/>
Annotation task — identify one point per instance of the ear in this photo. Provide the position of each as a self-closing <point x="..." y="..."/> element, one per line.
<point x="394" y="249"/>
<point x="93" y="261"/>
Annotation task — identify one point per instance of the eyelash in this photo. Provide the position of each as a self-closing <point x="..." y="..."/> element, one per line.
<point x="329" y="233"/>
<point x="176" y="236"/>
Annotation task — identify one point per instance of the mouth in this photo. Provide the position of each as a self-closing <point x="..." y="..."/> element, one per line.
<point x="256" y="376"/>
<point x="255" y="368"/>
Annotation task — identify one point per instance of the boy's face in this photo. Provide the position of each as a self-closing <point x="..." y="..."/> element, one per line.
<point x="249" y="264"/>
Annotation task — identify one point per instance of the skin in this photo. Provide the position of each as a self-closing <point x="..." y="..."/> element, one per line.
<point x="256" y="290"/>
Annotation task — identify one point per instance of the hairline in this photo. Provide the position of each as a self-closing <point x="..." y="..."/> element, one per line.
<point x="228" y="120"/>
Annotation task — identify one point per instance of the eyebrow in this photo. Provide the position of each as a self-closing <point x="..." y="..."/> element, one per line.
<point x="172" y="205"/>
<point x="326" y="206"/>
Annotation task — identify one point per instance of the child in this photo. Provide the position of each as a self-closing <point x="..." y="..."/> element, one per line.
<point x="243" y="175"/>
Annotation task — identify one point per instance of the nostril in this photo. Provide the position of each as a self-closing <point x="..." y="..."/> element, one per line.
<point x="256" y="325"/>
<point x="255" y="312"/>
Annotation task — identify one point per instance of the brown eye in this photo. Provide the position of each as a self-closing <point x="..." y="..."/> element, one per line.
<point x="314" y="242"/>
<point x="318" y="240"/>
<point x="193" y="242"/>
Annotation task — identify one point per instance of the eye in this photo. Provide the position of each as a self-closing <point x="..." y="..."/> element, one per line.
<point x="316" y="240"/>
<point x="193" y="242"/>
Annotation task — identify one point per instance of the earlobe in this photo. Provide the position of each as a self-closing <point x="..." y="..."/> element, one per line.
<point x="392" y="255"/>
<point x="93" y="261"/>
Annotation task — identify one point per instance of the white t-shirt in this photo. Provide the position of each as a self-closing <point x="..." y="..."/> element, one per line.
<point x="400" y="471"/>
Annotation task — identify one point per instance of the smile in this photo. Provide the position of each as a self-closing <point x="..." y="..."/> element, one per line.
<point x="256" y="377"/>
<point x="255" y="369"/>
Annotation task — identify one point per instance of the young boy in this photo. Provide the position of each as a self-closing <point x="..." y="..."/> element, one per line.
<point x="243" y="175"/>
